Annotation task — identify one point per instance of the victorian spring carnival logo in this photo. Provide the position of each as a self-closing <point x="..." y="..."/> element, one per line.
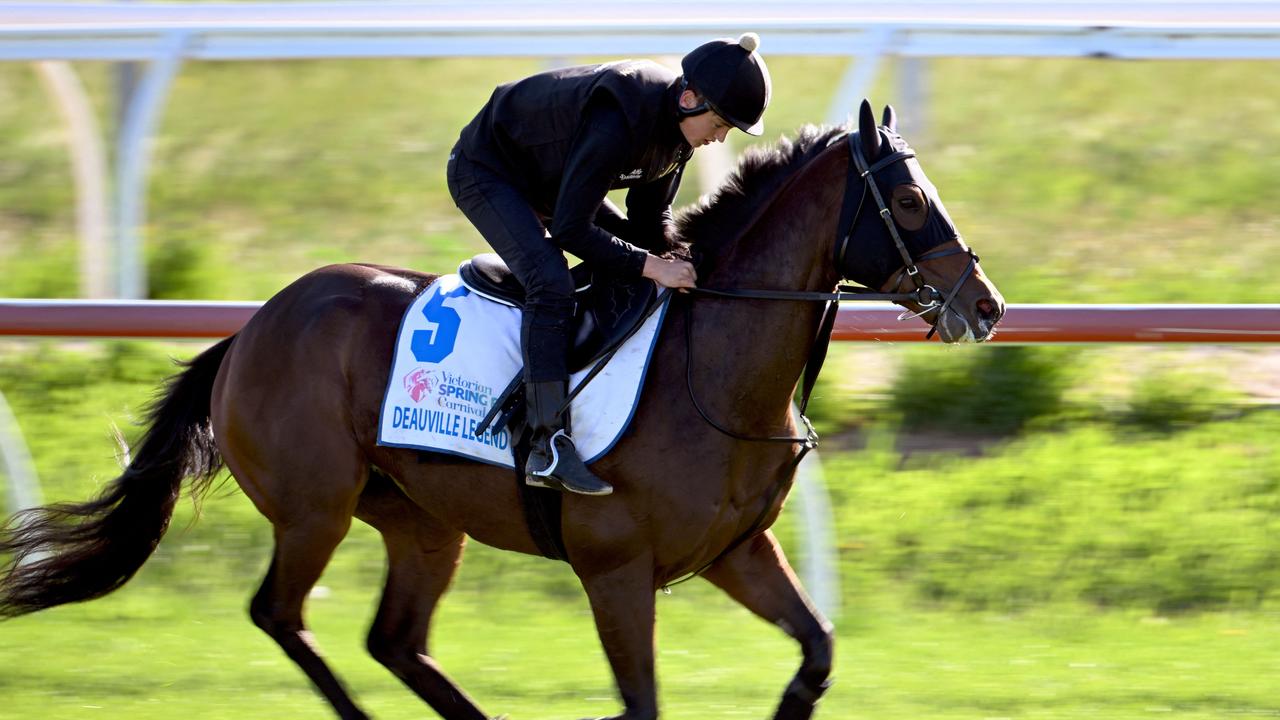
<point x="418" y="383"/>
<point x="450" y="390"/>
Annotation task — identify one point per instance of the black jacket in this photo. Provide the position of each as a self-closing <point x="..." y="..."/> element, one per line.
<point x="566" y="137"/>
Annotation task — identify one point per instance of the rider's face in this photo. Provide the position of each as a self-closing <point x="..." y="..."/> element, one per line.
<point x="702" y="129"/>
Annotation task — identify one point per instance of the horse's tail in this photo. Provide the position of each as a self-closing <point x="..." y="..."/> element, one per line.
<point x="79" y="551"/>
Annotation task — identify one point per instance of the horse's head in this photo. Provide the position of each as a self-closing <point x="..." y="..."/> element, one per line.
<point x="901" y="239"/>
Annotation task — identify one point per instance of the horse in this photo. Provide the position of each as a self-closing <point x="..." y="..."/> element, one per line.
<point x="697" y="486"/>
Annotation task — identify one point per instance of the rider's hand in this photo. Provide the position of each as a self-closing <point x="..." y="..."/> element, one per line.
<point x="670" y="273"/>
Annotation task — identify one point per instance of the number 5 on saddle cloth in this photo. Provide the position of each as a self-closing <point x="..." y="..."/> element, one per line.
<point x="456" y="382"/>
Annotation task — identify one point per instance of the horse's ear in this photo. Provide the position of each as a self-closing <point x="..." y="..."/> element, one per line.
<point x="867" y="133"/>
<point x="890" y="118"/>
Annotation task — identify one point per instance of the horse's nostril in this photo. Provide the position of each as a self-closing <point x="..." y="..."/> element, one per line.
<point x="988" y="309"/>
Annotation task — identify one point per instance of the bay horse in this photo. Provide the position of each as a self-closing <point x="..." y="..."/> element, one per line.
<point x="290" y="405"/>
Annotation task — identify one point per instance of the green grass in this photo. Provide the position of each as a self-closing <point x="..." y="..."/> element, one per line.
<point x="1103" y="569"/>
<point x="1100" y="515"/>
<point x="152" y="653"/>
<point x="1076" y="180"/>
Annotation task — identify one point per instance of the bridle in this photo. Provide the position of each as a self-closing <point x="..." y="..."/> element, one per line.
<point x="925" y="295"/>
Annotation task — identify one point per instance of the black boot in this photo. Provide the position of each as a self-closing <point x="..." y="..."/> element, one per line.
<point x="553" y="460"/>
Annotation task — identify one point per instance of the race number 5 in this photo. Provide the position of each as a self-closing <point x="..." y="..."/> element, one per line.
<point x="436" y="343"/>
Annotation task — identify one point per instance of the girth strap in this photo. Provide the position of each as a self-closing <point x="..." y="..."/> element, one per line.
<point x="541" y="507"/>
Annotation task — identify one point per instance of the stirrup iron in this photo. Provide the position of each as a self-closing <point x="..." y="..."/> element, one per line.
<point x="561" y="476"/>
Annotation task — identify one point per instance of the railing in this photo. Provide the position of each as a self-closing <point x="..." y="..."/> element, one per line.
<point x="873" y="322"/>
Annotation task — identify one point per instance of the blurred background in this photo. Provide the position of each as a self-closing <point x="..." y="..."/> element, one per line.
<point x="1019" y="531"/>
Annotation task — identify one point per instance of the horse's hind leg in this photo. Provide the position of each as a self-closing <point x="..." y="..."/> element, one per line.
<point x="302" y="551"/>
<point x="422" y="557"/>
<point x="757" y="575"/>
<point x="309" y="495"/>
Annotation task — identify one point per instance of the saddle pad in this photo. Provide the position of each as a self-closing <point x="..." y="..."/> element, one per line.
<point x="456" y="351"/>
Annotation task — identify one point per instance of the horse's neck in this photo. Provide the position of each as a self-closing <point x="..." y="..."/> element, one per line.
<point x="761" y="346"/>
<point x="790" y="246"/>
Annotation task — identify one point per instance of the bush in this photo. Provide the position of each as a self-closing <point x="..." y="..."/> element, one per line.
<point x="987" y="390"/>
<point x="182" y="266"/>
<point x="1178" y="399"/>
<point x="1163" y="523"/>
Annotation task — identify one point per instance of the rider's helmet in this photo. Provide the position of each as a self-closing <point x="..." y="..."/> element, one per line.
<point x="732" y="79"/>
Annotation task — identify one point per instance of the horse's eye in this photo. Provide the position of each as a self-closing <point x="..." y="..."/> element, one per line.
<point x="910" y="208"/>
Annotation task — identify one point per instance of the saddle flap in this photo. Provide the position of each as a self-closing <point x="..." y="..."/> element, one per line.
<point x="607" y="313"/>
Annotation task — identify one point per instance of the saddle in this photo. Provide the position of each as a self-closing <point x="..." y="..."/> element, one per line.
<point x="606" y="313"/>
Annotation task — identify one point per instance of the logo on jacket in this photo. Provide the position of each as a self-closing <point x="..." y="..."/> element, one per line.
<point x="632" y="175"/>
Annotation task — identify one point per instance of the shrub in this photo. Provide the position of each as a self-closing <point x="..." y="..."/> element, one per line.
<point x="987" y="390"/>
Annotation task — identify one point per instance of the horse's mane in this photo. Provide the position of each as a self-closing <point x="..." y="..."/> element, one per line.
<point x="719" y="219"/>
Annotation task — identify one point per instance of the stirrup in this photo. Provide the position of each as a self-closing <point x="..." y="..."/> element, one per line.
<point x="566" y="472"/>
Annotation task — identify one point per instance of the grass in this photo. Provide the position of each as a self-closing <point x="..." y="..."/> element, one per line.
<point x="151" y="653"/>
<point x="1046" y="577"/>
<point x="1076" y="180"/>
<point x="1106" y="516"/>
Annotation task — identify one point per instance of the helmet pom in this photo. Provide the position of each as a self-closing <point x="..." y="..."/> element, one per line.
<point x="749" y="41"/>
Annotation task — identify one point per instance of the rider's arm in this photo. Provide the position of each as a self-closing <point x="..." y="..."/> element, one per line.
<point x="611" y="220"/>
<point x="649" y="211"/>
<point x="598" y="156"/>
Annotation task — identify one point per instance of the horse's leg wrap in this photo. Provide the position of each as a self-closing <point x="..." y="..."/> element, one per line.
<point x="801" y="698"/>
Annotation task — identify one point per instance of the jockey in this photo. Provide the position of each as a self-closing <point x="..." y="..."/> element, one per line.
<point x="531" y="172"/>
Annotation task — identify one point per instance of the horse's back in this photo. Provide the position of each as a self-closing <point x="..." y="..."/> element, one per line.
<point x="369" y="290"/>
<point x="328" y="310"/>
<point x="315" y="354"/>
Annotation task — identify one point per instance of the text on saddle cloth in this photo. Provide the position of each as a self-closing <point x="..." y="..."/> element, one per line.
<point x="456" y="351"/>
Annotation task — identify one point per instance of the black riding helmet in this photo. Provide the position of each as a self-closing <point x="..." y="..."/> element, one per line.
<point x="732" y="79"/>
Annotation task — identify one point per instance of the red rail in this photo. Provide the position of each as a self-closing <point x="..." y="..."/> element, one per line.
<point x="1089" y="324"/>
<point x="124" y="318"/>
<point x="872" y="322"/>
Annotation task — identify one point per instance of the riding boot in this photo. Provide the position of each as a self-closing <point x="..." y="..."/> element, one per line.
<point x="553" y="460"/>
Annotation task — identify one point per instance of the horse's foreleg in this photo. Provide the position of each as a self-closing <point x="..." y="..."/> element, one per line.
<point x="422" y="557"/>
<point x="622" y="601"/>
<point x="302" y="551"/>
<point x="757" y="575"/>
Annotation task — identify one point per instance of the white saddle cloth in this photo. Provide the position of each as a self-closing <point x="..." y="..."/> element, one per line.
<point x="456" y="351"/>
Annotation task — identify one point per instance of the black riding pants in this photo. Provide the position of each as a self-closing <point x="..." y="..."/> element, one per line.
<point x="519" y="235"/>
